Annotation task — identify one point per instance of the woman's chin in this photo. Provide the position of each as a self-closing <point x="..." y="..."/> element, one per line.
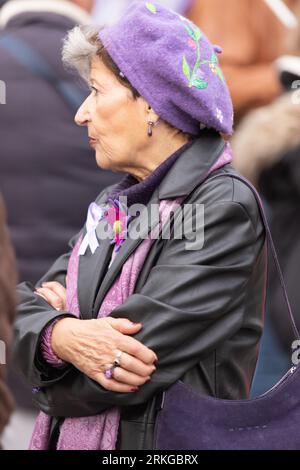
<point x="103" y="162"/>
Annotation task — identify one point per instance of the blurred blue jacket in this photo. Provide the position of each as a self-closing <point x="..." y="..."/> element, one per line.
<point x="48" y="173"/>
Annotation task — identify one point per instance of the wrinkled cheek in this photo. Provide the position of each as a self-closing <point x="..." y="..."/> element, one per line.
<point x="103" y="160"/>
<point x="104" y="150"/>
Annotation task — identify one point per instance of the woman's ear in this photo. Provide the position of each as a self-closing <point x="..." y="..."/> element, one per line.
<point x="152" y="115"/>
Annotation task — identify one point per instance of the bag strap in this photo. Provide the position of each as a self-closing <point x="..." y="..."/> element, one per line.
<point x="271" y="242"/>
<point x="33" y="61"/>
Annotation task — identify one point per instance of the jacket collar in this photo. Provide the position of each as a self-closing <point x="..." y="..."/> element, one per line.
<point x="184" y="176"/>
<point x="60" y="7"/>
<point x="192" y="166"/>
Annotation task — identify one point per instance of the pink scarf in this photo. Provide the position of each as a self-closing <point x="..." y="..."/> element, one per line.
<point x="100" y="432"/>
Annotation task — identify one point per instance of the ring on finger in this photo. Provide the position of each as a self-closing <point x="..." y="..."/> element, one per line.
<point x="109" y="372"/>
<point x="117" y="359"/>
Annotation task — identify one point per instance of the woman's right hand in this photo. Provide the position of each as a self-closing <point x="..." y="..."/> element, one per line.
<point x="92" y="345"/>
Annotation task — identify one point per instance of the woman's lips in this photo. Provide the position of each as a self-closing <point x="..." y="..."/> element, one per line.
<point x="92" y="141"/>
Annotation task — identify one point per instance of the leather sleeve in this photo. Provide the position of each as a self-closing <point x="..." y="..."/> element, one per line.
<point x="34" y="315"/>
<point x="191" y="302"/>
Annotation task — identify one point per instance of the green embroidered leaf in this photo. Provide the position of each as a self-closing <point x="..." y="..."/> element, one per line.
<point x="151" y="7"/>
<point x="214" y="59"/>
<point x="198" y="34"/>
<point x="186" y="68"/>
<point x="190" y="31"/>
<point x="220" y="74"/>
<point x="193" y="33"/>
<point x="187" y="28"/>
<point x="199" y="83"/>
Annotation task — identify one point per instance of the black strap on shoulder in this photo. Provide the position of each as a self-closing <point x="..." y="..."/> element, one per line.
<point x="33" y="61"/>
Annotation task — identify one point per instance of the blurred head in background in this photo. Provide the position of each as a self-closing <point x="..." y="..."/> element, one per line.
<point x="87" y="5"/>
<point x="109" y="11"/>
<point x="253" y="38"/>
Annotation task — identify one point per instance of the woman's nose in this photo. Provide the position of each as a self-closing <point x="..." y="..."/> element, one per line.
<point x="82" y="116"/>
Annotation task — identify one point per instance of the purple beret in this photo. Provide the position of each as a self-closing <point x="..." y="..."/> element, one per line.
<point x="171" y="63"/>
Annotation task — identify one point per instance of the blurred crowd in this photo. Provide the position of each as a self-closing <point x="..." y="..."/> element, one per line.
<point x="48" y="174"/>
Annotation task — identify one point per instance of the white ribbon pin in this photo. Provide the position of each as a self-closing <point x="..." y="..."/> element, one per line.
<point x="95" y="214"/>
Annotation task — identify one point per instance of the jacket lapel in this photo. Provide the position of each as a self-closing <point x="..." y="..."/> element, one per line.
<point x="148" y="219"/>
<point x="92" y="268"/>
<point x="192" y="166"/>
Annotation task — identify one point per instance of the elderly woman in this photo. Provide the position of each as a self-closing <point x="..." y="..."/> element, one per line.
<point x="134" y="305"/>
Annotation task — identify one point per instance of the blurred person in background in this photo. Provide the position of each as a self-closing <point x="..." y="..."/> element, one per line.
<point x="253" y="38"/>
<point x="7" y="313"/>
<point x="38" y="136"/>
<point x="267" y="151"/>
<point x="107" y="12"/>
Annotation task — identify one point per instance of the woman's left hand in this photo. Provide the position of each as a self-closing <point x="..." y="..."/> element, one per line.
<point x="54" y="293"/>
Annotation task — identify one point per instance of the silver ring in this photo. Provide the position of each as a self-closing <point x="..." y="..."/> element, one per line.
<point x="116" y="362"/>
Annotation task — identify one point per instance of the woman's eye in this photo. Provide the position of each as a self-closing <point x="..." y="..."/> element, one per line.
<point x="94" y="90"/>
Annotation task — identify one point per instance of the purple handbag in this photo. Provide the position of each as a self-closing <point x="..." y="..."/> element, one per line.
<point x="188" y="420"/>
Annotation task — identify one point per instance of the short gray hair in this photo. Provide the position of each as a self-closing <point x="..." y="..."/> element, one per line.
<point x="81" y="45"/>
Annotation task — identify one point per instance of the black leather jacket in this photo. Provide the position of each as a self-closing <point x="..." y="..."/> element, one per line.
<point x="202" y="311"/>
